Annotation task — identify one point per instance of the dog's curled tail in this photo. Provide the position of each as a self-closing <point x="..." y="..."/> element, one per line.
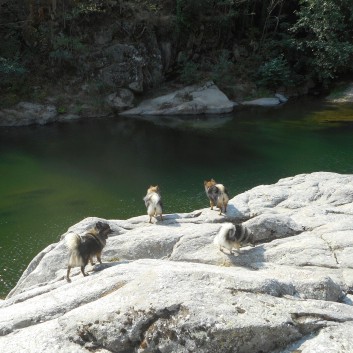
<point x="72" y="240"/>
<point x="223" y="194"/>
<point x="226" y="231"/>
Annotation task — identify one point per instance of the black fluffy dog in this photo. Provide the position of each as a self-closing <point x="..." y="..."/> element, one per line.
<point x="83" y="248"/>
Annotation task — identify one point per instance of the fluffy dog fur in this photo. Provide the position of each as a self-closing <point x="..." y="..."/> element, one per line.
<point x="217" y="194"/>
<point x="233" y="236"/>
<point x="153" y="202"/>
<point x="83" y="248"/>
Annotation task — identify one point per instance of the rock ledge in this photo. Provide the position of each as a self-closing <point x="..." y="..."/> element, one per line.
<point x="165" y="287"/>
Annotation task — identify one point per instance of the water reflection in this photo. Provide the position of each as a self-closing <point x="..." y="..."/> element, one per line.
<point x="188" y="121"/>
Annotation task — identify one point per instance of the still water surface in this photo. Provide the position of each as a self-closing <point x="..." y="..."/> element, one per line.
<point x="54" y="176"/>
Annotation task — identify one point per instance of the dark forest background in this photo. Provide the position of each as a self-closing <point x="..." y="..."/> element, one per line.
<point x="243" y="45"/>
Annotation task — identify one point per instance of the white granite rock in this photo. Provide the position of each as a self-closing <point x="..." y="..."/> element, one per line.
<point x="165" y="287"/>
<point x="204" y="99"/>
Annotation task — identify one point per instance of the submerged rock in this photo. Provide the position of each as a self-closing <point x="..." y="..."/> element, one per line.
<point x="165" y="287"/>
<point x="263" y="102"/>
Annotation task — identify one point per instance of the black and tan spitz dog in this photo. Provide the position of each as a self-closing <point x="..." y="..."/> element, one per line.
<point x="217" y="194"/>
<point x="83" y="248"/>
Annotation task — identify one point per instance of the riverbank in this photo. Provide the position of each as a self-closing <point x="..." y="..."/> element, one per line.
<point x="201" y="99"/>
<point x="343" y="93"/>
<point x="67" y="60"/>
<point x="159" y="282"/>
<point x="74" y="102"/>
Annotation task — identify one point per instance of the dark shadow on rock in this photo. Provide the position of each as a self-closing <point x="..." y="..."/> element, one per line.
<point x="169" y="220"/>
<point x="173" y="218"/>
<point x="105" y="265"/>
<point x="347" y="300"/>
<point x="250" y="257"/>
<point x="234" y="215"/>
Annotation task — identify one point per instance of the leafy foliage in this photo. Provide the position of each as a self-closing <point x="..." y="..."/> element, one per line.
<point x="189" y="73"/>
<point x="66" y="48"/>
<point x="230" y="41"/>
<point x="324" y="36"/>
<point x="11" y="67"/>
<point x="222" y="71"/>
<point x="274" y="73"/>
<point x="12" y="73"/>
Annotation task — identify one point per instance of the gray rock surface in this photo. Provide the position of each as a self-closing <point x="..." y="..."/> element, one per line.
<point x="281" y="97"/>
<point x="124" y="67"/>
<point x="198" y="99"/>
<point x="25" y="113"/>
<point x="165" y="287"/>
<point x="120" y="100"/>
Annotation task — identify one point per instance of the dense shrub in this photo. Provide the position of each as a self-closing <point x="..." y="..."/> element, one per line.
<point x="10" y="72"/>
<point x="274" y="73"/>
<point x="189" y="72"/>
<point x="222" y="71"/>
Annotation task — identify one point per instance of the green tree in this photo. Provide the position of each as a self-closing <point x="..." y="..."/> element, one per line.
<point x="274" y="73"/>
<point x="324" y="36"/>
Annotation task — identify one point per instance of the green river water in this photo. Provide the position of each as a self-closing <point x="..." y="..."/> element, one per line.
<point x="54" y="176"/>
